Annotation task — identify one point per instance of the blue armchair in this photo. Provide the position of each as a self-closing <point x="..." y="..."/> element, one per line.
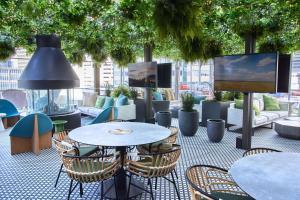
<point x="12" y="114"/>
<point x="31" y="133"/>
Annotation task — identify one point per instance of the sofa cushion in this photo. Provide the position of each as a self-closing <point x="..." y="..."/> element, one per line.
<point x="271" y="104"/>
<point x="122" y="100"/>
<point x="270" y="115"/>
<point x="157" y="96"/>
<point x="239" y="104"/>
<point x="94" y="111"/>
<point x="89" y="98"/>
<point x="260" y="120"/>
<point x="84" y="109"/>
<point x="280" y="114"/>
<point x="100" y="101"/>
<point x="109" y="101"/>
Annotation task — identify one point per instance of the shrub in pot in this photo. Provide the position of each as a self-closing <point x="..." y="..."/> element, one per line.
<point x="120" y="90"/>
<point x="187" y="116"/>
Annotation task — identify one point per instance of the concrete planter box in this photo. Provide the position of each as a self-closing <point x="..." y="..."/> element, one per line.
<point x="188" y="122"/>
<point x="214" y="110"/>
<point x="215" y="129"/>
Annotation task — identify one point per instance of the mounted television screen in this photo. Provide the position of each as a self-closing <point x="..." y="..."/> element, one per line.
<point x="164" y="75"/>
<point x="143" y="74"/>
<point x="284" y="70"/>
<point x="246" y="73"/>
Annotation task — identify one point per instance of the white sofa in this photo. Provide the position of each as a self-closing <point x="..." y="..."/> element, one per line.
<point x="126" y="112"/>
<point x="235" y="116"/>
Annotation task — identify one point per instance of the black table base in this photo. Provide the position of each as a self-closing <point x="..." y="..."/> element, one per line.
<point x="122" y="182"/>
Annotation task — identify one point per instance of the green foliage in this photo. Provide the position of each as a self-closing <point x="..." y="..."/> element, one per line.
<point x="177" y="18"/>
<point x="230" y="96"/>
<point x="120" y="90"/>
<point x="218" y="96"/>
<point x="123" y="56"/>
<point x="133" y="93"/>
<point x="187" y="100"/>
<point x="7" y="47"/>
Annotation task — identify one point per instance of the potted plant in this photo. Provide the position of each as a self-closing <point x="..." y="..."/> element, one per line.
<point x="107" y="89"/>
<point x="215" y="109"/>
<point x="120" y="90"/>
<point x="187" y="116"/>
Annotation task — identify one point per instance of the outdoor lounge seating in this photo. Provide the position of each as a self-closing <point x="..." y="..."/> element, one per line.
<point x="88" y="169"/>
<point x="212" y="183"/>
<point x="31" y="133"/>
<point x="104" y="116"/>
<point x="12" y="114"/>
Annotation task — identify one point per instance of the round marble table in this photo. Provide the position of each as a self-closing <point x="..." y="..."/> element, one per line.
<point x="120" y="135"/>
<point x="269" y="176"/>
<point x="1" y="122"/>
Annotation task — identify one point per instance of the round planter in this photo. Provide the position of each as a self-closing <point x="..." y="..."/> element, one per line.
<point x="188" y="122"/>
<point x="164" y="118"/>
<point x="215" y="129"/>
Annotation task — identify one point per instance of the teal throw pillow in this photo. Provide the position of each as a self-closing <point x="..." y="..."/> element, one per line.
<point x="122" y="100"/>
<point x="109" y="101"/>
<point x="271" y="104"/>
<point x="100" y="102"/>
<point x="198" y="99"/>
<point x="158" y="96"/>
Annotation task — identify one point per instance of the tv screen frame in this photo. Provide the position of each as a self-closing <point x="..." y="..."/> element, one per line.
<point x="248" y="86"/>
<point x="146" y="70"/>
<point x="284" y="73"/>
<point x="164" y="75"/>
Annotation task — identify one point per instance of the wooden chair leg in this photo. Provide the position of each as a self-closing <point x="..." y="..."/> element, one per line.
<point x="70" y="189"/>
<point x="174" y="183"/>
<point x="58" y="175"/>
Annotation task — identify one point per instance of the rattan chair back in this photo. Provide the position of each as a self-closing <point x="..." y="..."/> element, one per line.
<point x="62" y="142"/>
<point x="87" y="169"/>
<point x="205" y="180"/>
<point x="152" y="165"/>
<point x="174" y="134"/>
<point x="254" y="151"/>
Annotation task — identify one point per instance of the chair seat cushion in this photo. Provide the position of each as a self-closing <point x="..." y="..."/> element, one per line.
<point x="160" y="147"/>
<point x="88" y="150"/>
<point x="89" y="166"/>
<point x="227" y="196"/>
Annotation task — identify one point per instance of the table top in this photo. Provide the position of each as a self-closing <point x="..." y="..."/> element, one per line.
<point x="119" y="134"/>
<point x="291" y="123"/>
<point x="269" y="176"/>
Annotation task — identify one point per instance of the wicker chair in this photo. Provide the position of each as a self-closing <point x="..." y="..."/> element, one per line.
<point x="88" y="169"/>
<point x="212" y="183"/>
<point x="63" y="143"/>
<point x="154" y="165"/>
<point x="254" y="151"/>
<point x="174" y="134"/>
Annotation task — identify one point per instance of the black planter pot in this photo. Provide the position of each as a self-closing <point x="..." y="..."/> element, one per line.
<point x="215" y="129"/>
<point x="214" y="110"/>
<point x="188" y="122"/>
<point x="164" y="118"/>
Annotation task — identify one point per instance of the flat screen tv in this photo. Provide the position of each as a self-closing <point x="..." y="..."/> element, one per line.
<point x="164" y="75"/>
<point x="246" y="73"/>
<point x="142" y="74"/>
<point x="284" y="70"/>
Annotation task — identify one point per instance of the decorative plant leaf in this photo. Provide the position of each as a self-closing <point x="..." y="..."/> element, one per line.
<point x="7" y="47"/>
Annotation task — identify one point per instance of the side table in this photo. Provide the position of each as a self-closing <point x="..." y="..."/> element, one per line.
<point x="59" y="125"/>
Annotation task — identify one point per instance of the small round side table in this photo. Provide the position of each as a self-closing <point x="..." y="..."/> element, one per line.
<point x="59" y="125"/>
<point x="1" y="123"/>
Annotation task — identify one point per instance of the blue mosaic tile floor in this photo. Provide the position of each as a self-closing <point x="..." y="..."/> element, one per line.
<point x="26" y="176"/>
